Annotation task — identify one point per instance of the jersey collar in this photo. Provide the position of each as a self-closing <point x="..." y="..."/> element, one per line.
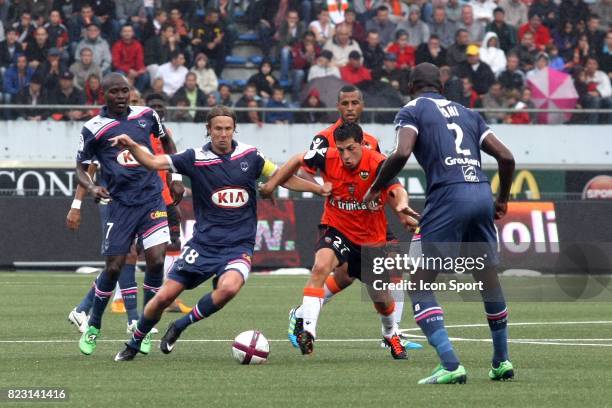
<point x="105" y="113"/>
<point x="208" y="147"/>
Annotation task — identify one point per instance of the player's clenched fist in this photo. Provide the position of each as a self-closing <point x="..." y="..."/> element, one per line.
<point x="73" y="219"/>
<point x="122" y="140"/>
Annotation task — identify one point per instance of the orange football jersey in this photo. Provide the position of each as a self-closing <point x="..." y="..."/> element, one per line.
<point x="159" y="149"/>
<point x="344" y="209"/>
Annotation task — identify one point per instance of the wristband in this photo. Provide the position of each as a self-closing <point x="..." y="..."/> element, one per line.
<point x="76" y="204"/>
<point x="176" y="177"/>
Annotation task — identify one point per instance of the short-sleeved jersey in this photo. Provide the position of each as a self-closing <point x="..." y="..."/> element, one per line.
<point x="325" y="139"/>
<point x="448" y="142"/>
<point x="158" y="149"/>
<point x="224" y="192"/>
<point x="126" y="180"/>
<point x="344" y="209"/>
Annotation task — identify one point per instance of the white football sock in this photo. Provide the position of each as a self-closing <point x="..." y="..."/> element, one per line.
<point x="311" y="307"/>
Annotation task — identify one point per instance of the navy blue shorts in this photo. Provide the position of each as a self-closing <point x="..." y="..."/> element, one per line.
<point x="148" y="222"/>
<point x="458" y="221"/>
<point x="198" y="263"/>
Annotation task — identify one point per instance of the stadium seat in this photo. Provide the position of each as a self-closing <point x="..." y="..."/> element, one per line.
<point x="235" y="60"/>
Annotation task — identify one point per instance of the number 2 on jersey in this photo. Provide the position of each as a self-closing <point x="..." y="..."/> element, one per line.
<point x="458" y="139"/>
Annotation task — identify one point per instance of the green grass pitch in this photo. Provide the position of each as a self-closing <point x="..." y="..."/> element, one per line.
<point x="355" y="373"/>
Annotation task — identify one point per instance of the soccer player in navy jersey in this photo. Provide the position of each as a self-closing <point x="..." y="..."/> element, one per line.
<point x="446" y="139"/>
<point x="136" y="206"/>
<point x="223" y="175"/>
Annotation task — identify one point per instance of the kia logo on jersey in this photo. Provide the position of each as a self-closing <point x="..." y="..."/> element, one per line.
<point x="230" y="197"/>
<point x="126" y="159"/>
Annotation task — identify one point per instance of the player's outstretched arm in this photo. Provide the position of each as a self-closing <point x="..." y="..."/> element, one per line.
<point x="141" y="154"/>
<point x="398" y="201"/>
<point x="296" y="183"/>
<point x="505" y="165"/>
<point x="281" y="176"/>
<point x="73" y="219"/>
<point x="86" y="181"/>
<point x="406" y="138"/>
<point x="174" y="181"/>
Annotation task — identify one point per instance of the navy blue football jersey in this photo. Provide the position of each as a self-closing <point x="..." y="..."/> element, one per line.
<point x="126" y="180"/>
<point x="448" y="141"/>
<point x="224" y="192"/>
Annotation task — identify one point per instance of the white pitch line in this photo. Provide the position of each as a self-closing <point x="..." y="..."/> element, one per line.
<point x="185" y="341"/>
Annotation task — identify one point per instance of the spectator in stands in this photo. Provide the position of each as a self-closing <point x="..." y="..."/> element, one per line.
<point x="180" y="27"/>
<point x="565" y="39"/>
<point x="225" y="95"/>
<point x="154" y="26"/>
<point x="512" y="77"/>
<point x="373" y="52"/>
<point x="157" y="49"/>
<point x="341" y="45"/>
<point x="322" y="27"/>
<point x="38" y="47"/>
<point x="540" y="32"/>
<point x="516" y="12"/>
<point x="479" y="72"/>
<point x="323" y="67"/>
<point x="36" y="7"/>
<point x="127" y="11"/>
<point x="451" y="85"/>
<point x="58" y="33"/>
<point x="128" y="58"/>
<point x="526" y="51"/>
<point x="264" y="80"/>
<point x="104" y="10"/>
<point x="50" y="70"/>
<point x="505" y="33"/>
<point x="598" y="85"/>
<point x="8" y="49"/>
<point x="84" y="68"/>
<point x="67" y="94"/>
<point x="354" y="72"/>
<point x="541" y="64"/>
<point x="418" y="31"/>
<point x="491" y="54"/>
<point x="357" y="30"/>
<point x="382" y="24"/>
<point x="518" y="117"/>
<point x="194" y="96"/>
<point x="474" y="27"/>
<point x="453" y="11"/>
<point x="173" y="72"/>
<point x="391" y="74"/>
<point x="24" y="27"/>
<point x="404" y="52"/>
<point x="469" y="97"/>
<point x="603" y="8"/>
<point x="431" y="52"/>
<point x="606" y="55"/>
<point x="366" y="9"/>
<point x="207" y="79"/>
<point x="595" y="35"/>
<point x="78" y="22"/>
<point x="304" y="55"/>
<point x="157" y="87"/>
<point x="101" y="51"/>
<point x="455" y="54"/>
<point x="182" y="115"/>
<point x="227" y="9"/>
<point x="249" y="93"/>
<point x="208" y="38"/>
<point x="574" y="11"/>
<point x="269" y="15"/>
<point x="443" y="28"/>
<point x="483" y="11"/>
<point x="290" y="32"/>
<point x="547" y="10"/>
<point x="16" y="78"/>
<point x="312" y="100"/>
<point x="526" y="100"/>
<point x="556" y="62"/>
<point x="494" y="99"/>
<point x="33" y="95"/>
<point x="581" y="52"/>
<point x="278" y="101"/>
<point x="398" y="11"/>
<point x="94" y="94"/>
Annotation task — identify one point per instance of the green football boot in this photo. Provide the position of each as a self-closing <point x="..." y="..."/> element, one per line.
<point x="443" y="376"/>
<point x="87" y="343"/>
<point x="145" y="344"/>
<point x="504" y="372"/>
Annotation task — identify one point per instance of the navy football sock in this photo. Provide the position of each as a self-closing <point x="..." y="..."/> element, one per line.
<point x="204" y="308"/>
<point x="104" y="290"/>
<point x="430" y="318"/>
<point x="129" y="291"/>
<point x="87" y="301"/>
<point x="497" y="316"/>
<point x="143" y="327"/>
<point x="150" y="286"/>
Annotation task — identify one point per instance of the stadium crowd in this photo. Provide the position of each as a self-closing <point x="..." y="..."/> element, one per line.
<point x="56" y="51"/>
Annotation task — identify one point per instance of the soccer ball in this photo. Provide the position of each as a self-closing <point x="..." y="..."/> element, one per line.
<point x="250" y="347"/>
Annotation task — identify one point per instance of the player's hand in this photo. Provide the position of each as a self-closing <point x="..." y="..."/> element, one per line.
<point x="266" y="191"/>
<point x="177" y="190"/>
<point x="326" y="189"/>
<point x="73" y="219"/>
<point x="408" y="217"/>
<point x="122" y="141"/>
<point x="99" y="193"/>
<point x="372" y="199"/>
<point x="501" y="208"/>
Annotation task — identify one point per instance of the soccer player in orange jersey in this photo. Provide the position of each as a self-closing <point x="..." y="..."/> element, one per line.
<point x="349" y="227"/>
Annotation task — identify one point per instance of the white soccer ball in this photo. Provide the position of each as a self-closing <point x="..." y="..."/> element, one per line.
<point x="250" y="347"/>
